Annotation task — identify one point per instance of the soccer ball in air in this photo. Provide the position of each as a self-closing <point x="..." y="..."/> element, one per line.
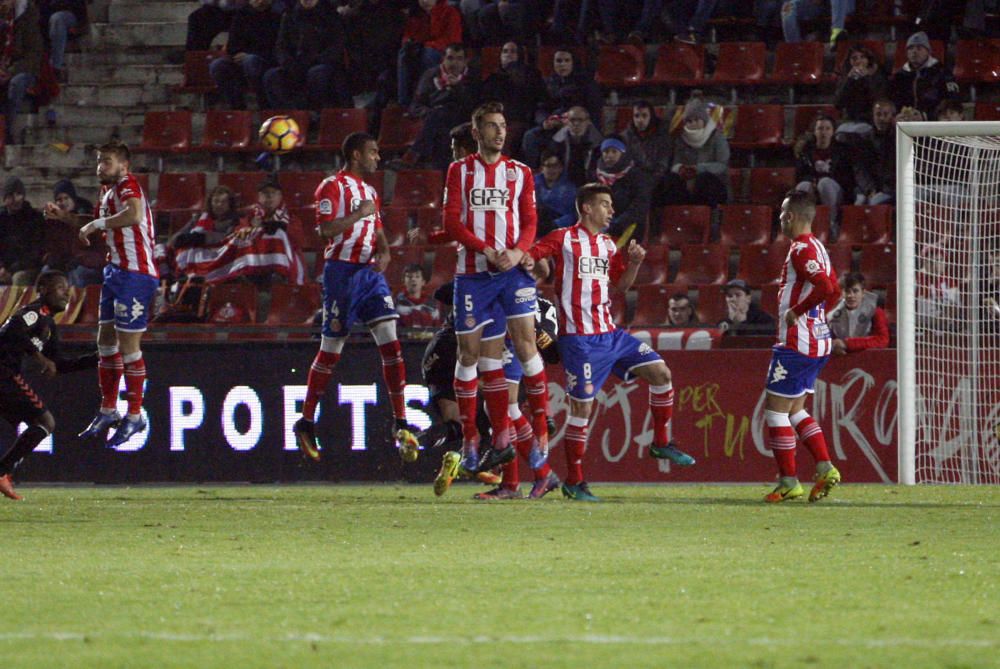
<point x="280" y="134"/>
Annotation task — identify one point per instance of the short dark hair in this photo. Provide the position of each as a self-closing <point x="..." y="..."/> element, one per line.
<point x="588" y="192"/>
<point x="118" y="148"/>
<point x="823" y="117"/>
<point x="852" y="279"/>
<point x="549" y="153"/>
<point x="948" y="106"/>
<point x="680" y="296"/>
<point x="492" y="107"/>
<point x="801" y="202"/>
<point x="413" y="268"/>
<point x="462" y="134"/>
<point x="455" y="47"/>
<point x="355" y="142"/>
<point x="644" y="104"/>
<point x="47" y="278"/>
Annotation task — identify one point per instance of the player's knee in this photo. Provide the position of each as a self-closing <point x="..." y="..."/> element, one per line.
<point x="579" y="409"/>
<point x="659" y="375"/>
<point x="468" y="359"/>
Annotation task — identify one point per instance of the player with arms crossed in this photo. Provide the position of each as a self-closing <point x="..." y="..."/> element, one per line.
<point x="348" y="213"/>
<point x="591" y="347"/>
<point x="130" y="283"/>
<point x="31" y="332"/>
<point x="808" y="284"/>
<point x="490" y="211"/>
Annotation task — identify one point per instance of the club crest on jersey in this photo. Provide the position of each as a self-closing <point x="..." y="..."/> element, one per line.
<point x="488" y="199"/>
<point x="511" y="174"/>
<point x="591" y="267"/>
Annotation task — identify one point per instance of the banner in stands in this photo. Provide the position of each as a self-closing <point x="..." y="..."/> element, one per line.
<point x="224" y="413"/>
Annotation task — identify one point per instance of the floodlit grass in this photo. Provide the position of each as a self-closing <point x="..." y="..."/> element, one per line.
<point x="385" y="576"/>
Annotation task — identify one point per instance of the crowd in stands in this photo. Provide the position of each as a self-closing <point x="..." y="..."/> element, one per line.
<point x="433" y="61"/>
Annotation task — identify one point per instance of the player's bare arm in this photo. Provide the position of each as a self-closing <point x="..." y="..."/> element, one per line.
<point x="382" y="255"/>
<point x="54" y="213"/>
<point x="335" y="227"/>
<point x="130" y="215"/>
<point x="636" y="254"/>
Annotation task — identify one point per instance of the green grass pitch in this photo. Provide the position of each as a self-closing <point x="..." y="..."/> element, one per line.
<point x="389" y="576"/>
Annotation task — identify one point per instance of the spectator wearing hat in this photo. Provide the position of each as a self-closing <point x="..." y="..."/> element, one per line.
<point x="699" y="170"/>
<point x="416" y="307"/>
<point x="249" y="52"/>
<point x="555" y="195"/>
<point x="22" y="235"/>
<point x="857" y="323"/>
<point x="923" y="82"/>
<point x="270" y="212"/>
<point x="21" y="59"/>
<point x="83" y="265"/>
<point x="629" y="185"/>
<point x="743" y="316"/>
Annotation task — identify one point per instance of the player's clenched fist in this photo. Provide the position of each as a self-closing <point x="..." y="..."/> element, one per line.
<point x="636" y="254"/>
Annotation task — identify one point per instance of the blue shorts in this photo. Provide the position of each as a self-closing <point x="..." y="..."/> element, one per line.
<point x="126" y="298"/>
<point x="792" y="374"/>
<point x="352" y="293"/>
<point x="589" y="359"/>
<point x="485" y="298"/>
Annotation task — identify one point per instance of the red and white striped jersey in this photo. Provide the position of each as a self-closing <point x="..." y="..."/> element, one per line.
<point x="585" y="264"/>
<point x="488" y="206"/>
<point x="806" y="265"/>
<point x="338" y="196"/>
<point x="131" y="247"/>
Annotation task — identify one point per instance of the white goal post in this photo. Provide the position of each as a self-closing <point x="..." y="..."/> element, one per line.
<point x="948" y="301"/>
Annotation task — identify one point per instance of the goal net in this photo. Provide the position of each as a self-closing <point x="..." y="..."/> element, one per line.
<point x="948" y="302"/>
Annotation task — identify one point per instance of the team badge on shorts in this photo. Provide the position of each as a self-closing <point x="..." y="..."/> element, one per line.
<point x="334" y="324"/>
<point x="470" y="321"/>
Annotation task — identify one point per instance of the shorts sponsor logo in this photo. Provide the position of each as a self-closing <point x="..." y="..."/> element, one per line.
<point x="470" y="321"/>
<point x="589" y="267"/>
<point x="526" y="294"/>
<point x="325" y="207"/>
<point x="488" y="199"/>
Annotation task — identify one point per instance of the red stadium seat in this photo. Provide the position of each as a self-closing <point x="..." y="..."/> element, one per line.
<point x="745" y="224"/>
<point x="736" y="184"/>
<point x="937" y="50"/>
<point x="445" y="260"/>
<point x="679" y="64"/>
<point x="418" y="188"/>
<point x="878" y="264"/>
<point x="761" y="265"/>
<point x="652" y="303"/>
<point x="685" y="225"/>
<point x="623" y="117"/>
<point x="242" y="296"/>
<point x="401" y="256"/>
<point x="377" y="181"/>
<point x="335" y="125"/>
<point x="804" y="115"/>
<point x="768" y="185"/>
<point x="396" y="222"/>
<point x="620" y="66"/>
<point x="546" y="53"/>
<point x="711" y="305"/>
<point x="226" y="131"/>
<point x="865" y="225"/>
<point x="890" y="303"/>
<point x="243" y="184"/>
<point x="798" y="63"/>
<point x="398" y="131"/>
<point x="769" y="298"/>
<point x="740" y="64"/>
<point x="977" y="61"/>
<point x="91" y="304"/>
<point x="841" y="257"/>
<point x="294" y="305"/>
<point x="619" y="308"/>
<point x="165" y="132"/>
<point x="759" y="127"/>
<point x="197" y="79"/>
<point x="303" y="232"/>
<point x="703" y="264"/>
<point x="654" y="268"/>
<point x="180" y="191"/>
<point x="489" y="61"/>
<point x="429" y="219"/>
<point x="844" y="49"/>
<point x="988" y="111"/>
<point x="821" y="223"/>
<point x="143" y="179"/>
<point x="299" y="188"/>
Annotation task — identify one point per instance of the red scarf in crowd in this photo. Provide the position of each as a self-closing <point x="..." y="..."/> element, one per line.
<point x="441" y="80"/>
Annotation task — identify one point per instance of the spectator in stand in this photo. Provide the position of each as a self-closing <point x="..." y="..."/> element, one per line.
<point x="578" y="143"/>
<point x="743" y="316"/>
<point x="923" y="82"/>
<point x="824" y="167"/>
<point x="58" y="18"/>
<point x="875" y="166"/>
<point x="860" y="85"/>
<point x="518" y="86"/>
<point x="83" y="265"/>
<point x="795" y="12"/>
<point x="938" y="16"/>
<point x="938" y="291"/>
<point x="212" y="225"/>
<point x="374" y="32"/>
<point x="680" y="312"/>
<point x="22" y="234"/>
<point x="694" y="15"/>
<point x="555" y="195"/>
<point x="630" y="189"/>
<point x="270" y="212"/>
<point x="430" y="29"/>
<point x="949" y="110"/>
<point x="857" y="323"/>
<point x="568" y="86"/>
<point x="700" y="166"/>
<point x="310" y="54"/>
<point x="648" y="140"/>
<point x="249" y="52"/>
<point x="212" y="18"/>
<point x="21" y="57"/>
<point x="416" y="307"/>
<point x="492" y="22"/>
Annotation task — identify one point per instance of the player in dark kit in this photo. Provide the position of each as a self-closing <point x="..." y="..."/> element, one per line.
<point x="31" y="333"/>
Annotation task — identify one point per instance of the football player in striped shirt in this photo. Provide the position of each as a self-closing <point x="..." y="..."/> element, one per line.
<point x="808" y="284"/>
<point x="587" y="262"/>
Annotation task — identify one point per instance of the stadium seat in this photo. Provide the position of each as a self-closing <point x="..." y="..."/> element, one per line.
<point x="711" y="305"/>
<point x="91" y="304"/>
<point x="988" y="111"/>
<point x="165" y="132"/>
<point x="865" y="224"/>
<point x="401" y="256"/>
<point x="620" y="66"/>
<point x="335" y="125"/>
<point x="844" y="48"/>
<point x="937" y="50"/>
<point x="759" y="127"/>
<point x="377" y="181"/>
<point x="878" y="264"/>
<point x="180" y="191"/>
<point x="685" y="225"/>
<point x="10" y="300"/>
<point x="977" y="61"/>
<point x="619" y="308"/>
<point x="760" y="265"/>
<point x="303" y="232"/>
<point x="418" y="188"/>
<point x="197" y="79"/>
<point x="797" y="63"/>
<point x="890" y="303"/>
<point x="489" y="61"/>
<point x="736" y="184"/>
<point x="445" y="260"/>
<point x="655" y="267"/>
<point x="703" y="264"/>
<point x="821" y="223"/>
<point x="226" y="131"/>
<point x="544" y="58"/>
<point x="299" y="188"/>
<point x="243" y="184"/>
<point x="769" y="298"/>
<point x="768" y="185"/>
<point x="740" y="64"/>
<point x="300" y="116"/>
<point x="294" y="305"/>
<point x="429" y="219"/>
<point x="240" y="295"/>
<point x="679" y="64"/>
<point x="652" y="302"/>
<point x="143" y="179"/>
<point x="745" y="224"/>
<point x="396" y="223"/>
<point x="804" y="115"/>
<point x="398" y="131"/>
<point x="841" y="257"/>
